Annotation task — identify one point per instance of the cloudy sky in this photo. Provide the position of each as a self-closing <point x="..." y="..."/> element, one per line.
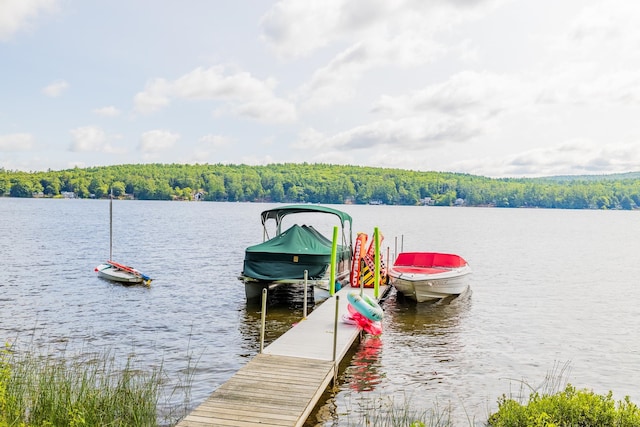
<point x="488" y="87"/>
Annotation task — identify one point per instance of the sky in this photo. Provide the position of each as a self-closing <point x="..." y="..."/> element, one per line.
<point x="497" y="88"/>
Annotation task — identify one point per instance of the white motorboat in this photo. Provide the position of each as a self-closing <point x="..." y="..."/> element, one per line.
<point x="429" y="276"/>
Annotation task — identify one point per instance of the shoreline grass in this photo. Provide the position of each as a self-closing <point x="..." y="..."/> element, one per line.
<point x="101" y="390"/>
<point x="37" y="389"/>
<point x="553" y="403"/>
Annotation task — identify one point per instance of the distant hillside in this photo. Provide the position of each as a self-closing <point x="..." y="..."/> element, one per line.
<point x="325" y="183"/>
<point x="613" y="177"/>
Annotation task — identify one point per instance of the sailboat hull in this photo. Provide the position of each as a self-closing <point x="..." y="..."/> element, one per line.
<point x="109" y="272"/>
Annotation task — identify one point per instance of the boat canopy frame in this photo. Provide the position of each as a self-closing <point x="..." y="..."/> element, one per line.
<point x="279" y="213"/>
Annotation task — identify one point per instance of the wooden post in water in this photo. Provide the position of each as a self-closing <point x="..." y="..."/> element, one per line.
<point x="332" y="274"/>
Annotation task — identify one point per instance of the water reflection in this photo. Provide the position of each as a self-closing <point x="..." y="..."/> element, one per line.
<point x="364" y="373"/>
<point x="426" y="336"/>
<point x="404" y="315"/>
<point x="285" y="307"/>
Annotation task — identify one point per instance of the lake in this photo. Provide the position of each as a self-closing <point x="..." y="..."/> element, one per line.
<point x="552" y="291"/>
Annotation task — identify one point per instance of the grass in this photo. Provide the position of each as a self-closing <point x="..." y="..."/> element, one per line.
<point x="82" y="390"/>
<point x="386" y="411"/>
<point x="557" y="403"/>
<point x="554" y="403"/>
<point x="93" y="390"/>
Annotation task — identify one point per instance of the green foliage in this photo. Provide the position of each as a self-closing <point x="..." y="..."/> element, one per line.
<point x="323" y="183"/>
<point x="118" y="188"/>
<point x="570" y="407"/>
<point x="386" y="411"/>
<point x="39" y="390"/>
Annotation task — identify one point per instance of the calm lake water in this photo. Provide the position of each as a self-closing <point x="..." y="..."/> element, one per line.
<point x="550" y="288"/>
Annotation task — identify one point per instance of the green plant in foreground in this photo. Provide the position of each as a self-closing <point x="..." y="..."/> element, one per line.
<point x="86" y="390"/>
<point x="10" y="395"/>
<point x="569" y="407"/>
<point x="385" y="411"/>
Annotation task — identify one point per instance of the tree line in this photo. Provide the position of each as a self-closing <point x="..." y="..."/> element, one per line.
<point x="324" y="183"/>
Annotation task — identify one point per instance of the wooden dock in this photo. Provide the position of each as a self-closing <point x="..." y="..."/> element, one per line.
<point x="282" y="385"/>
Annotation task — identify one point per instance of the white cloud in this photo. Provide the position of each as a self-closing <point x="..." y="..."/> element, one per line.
<point x="56" y="88"/>
<point x="574" y="157"/>
<point x="595" y="60"/>
<point x="404" y="134"/>
<point x="294" y="28"/>
<point x="466" y="106"/>
<point x="109" y="111"/>
<point x="267" y="110"/>
<point x="611" y="23"/>
<point x="157" y="140"/>
<point x="214" y="83"/>
<point x="93" y="139"/>
<point x="88" y="138"/>
<point x="16" y="142"/>
<point x="214" y="141"/>
<point x="154" y="97"/>
<point x="16" y="15"/>
<point x="369" y="35"/>
<point x="247" y="96"/>
<point x="482" y="93"/>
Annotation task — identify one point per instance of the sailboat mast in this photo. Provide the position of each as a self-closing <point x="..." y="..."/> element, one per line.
<point x="110" y="224"/>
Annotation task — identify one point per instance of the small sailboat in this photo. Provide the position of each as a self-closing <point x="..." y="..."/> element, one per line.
<point x="115" y="271"/>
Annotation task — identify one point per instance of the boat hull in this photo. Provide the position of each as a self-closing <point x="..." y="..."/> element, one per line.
<point x="253" y="287"/>
<point x="109" y="272"/>
<point x="429" y="289"/>
<point x="424" y="282"/>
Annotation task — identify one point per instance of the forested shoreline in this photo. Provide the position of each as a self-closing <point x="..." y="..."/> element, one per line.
<point x="324" y="183"/>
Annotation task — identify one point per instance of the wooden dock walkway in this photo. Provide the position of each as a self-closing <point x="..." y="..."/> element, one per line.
<point x="282" y="385"/>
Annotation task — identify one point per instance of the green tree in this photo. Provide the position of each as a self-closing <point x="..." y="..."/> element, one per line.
<point x="21" y="188"/>
<point x="118" y="189"/>
<point x="214" y="187"/>
<point x="51" y="186"/>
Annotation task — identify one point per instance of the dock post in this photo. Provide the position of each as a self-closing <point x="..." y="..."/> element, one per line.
<point x="388" y="263"/>
<point x="335" y="342"/>
<point x="395" y="248"/>
<point x="334" y="250"/>
<point x="304" y="304"/>
<point x="263" y="318"/>
<point x="376" y="256"/>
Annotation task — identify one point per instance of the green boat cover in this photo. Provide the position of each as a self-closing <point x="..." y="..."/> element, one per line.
<point x="289" y="254"/>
